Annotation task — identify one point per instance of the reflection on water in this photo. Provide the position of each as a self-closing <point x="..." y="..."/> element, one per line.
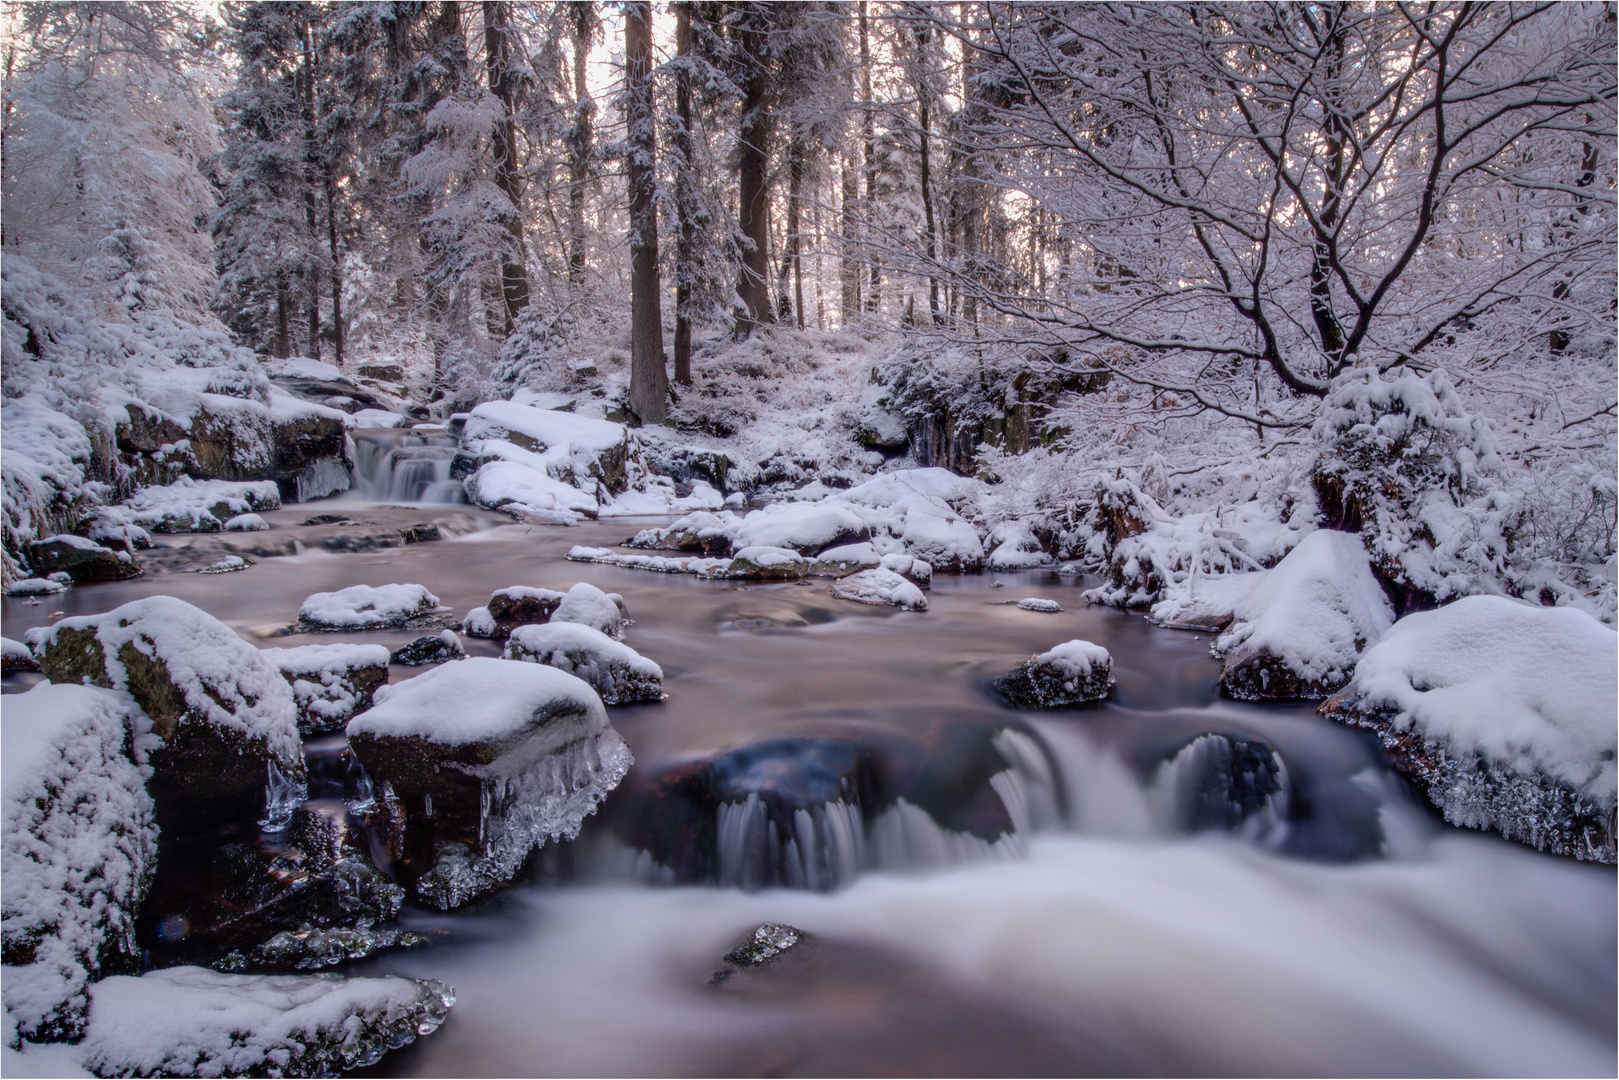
<point x="1168" y="883"/>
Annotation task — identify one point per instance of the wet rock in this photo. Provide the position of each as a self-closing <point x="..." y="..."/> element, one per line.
<point x="879" y="586"/>
<point x="617" y="672"/>
<point x="589" y="606"/>
<point x="15" y="656"/>
<point x="79" y="846"/>
<point x="223" y="721"/>
<point x="430" y="649"/>
<point x="310" y="949"/>
<point x="483" y="761"/>
<point x="81" y="559"/>
<point x="1074" y="673"/>
<point x="367" y="607"/>
<point x="331" y="682"/>
<point x="764" y="946"/>
<point x="510" y="608"/>
<point x="1228" y="783"/>
<point x="194" y="1022"/>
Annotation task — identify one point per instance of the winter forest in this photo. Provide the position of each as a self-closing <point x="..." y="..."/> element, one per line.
<point x="880" y="537"/>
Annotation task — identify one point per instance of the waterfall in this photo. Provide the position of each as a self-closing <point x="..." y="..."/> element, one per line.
<point x="397" y="466"/>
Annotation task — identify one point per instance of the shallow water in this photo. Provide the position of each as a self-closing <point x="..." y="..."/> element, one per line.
<point x="1362" y="936"/>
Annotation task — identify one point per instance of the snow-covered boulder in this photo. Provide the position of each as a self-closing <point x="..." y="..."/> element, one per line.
<point x="807" y="528"/>
<point x="700" y="531"/>
<point x="189" y="505"/>
<point x="15" y="656"/>
<point x="588" y="451"/>
<point x="845" y="560"/>
<point x="879" y="586"/>
<point x="218" y="722"/>
<point x="1016" y="548"/>
<point x="35" y="586"/>
<point x="589" y="606"/>
<point x="80" y="559"/>
<point x="942" y="537"/>
<point x="366" y="607"/>
<point x="1040" y="604"/>
<point x="429" y="649"/>
<point x="190" y="1021"/>
<point x="246" y="523"/>
<point x="1504" y="713"/>
<point x="510" y="608"/>
<point x="1072" y="673"/>
<point x="618" y="673"/>
<point x="759" y="562"/>
<point x="918" y="571"/>
<point x="527" y="492"/>
<point x="80" y="843"/>
<point x="489" y="758"/>
<point x="331" y="682"/>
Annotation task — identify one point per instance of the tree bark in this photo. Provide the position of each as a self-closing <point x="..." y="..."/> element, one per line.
<point x="868" y="133"/>
<point x="923" y="116"/>
<point x="848" y="268"/>
<point x="649" y="381"/>
<point x="685" y="194"/>
<point x="579" y="138"/>
<point x="753" y="213"/>
<point x="498" y="54"/>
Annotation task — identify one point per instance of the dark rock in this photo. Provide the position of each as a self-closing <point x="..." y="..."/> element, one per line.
<point x="82" y="560"/>
<point x="510" y="608"/>
<point x="325" y="519"/>
<point x="765" y="945"/>
<point x="331" y="682"/>
<point x="430" y="649"/>
<point x="381" y="372"/>
<point x="1073" y="673"/>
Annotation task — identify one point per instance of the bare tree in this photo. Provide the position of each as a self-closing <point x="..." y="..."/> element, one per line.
<point x="649" y="379"/>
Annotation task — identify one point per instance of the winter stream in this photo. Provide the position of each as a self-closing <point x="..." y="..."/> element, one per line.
<point x="1107" y="891"/>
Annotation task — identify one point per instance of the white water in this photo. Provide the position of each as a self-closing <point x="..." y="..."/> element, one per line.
<point x="399" y="466"/>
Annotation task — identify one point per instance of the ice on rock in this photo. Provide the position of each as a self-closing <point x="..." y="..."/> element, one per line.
<point x="589" y="606"/>
<point x="1035" y="603"/>
<point x="366" y="607"/>
<point x="80" y="843"/>
<point x="189" y="1021"/>
<point x="220" y="712"/>
<point x="331" y="682"/>
<point x="879" y="586"/>
<point x="1504" y="713"/>
<point x="617" y="672"/>
<point x="1072" y="673"/>
<point x="492" y="757"/>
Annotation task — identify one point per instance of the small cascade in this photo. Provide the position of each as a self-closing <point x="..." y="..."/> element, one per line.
<point x="1225" y="783"/>
<point x="405" y="467"/>
<point x="820" y="848"/>
<point x="282" y="796"/>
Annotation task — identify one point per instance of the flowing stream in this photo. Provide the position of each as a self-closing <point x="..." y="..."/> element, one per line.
<point x="1137" y="918"/>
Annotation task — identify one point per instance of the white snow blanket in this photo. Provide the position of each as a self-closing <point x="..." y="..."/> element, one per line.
<point x="367" y="607"/>
<point x="80" y="844"/>
<point x="189" y="505"/>
<point x="589" y="606"/>
<point x="523" y="486"/>
<point x="547" y="461"/>
<point x="1076" y="659"/>
<point x="879" y="586"/>
<point x="616" y="671"/>
<point x="1531" y="687"/>
<point x="189" y="1021"/>
<point x="484" y="700"/>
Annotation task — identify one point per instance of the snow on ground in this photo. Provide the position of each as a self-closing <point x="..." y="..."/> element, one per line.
<point x="366" y="607"/>
<point x="80" y="844"/>
<point x="617" y="672"/>
<point x="1530" y="687"/>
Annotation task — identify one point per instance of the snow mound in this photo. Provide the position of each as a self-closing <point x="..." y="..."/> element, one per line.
<point x="189" y="1021"/>
<point x="617" y="672"/>
<point x="35" y="586"/>
<point x="331" y="682"/>
<point x="1035" y="603"/>
<point x="589" y="606"/>
<point x="807" y="528"/>
<point x="246" y="523"/>
<point x="366" y="607"/>
<point x="15" y="656"/>
<point x="1505" y="712"/>
<point x="879" y="586"/>
<point x="80" y="844"/>
<point x="529" y="493"/>
<point x="189" y="505"/>
<point x="1072" y="673"/>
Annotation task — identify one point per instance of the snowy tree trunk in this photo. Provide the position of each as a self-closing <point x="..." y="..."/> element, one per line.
<point x="579" y="138"/>
<point x="503" y="79"/>
<point x="685" y="197"/>
<point x="753" y="215"/>
<point x="868" y="121"/>
<point x="649" y="382"/>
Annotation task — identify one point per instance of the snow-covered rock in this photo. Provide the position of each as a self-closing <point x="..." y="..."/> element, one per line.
<point x="1294" y="631"/>
<point x="429" y="649"/>
<point x="589" y="449"/>
<point x="189" y="505"/>
<point x="1038" y="603"/>
<point x="15" y="656"/>
<point x="1504" y="713"/>
<point x="80" y="844"/>
<point x="589" y="606"/>
<point x="230" y="564"/>
<point x="510" y="608"/>
<point x="1016" y="548"/>
<point x="218" y="722"/>
<point x="80" y="559"/>
<point x="331" y="682"/>
<point x="700" y="531"/>
<point x="618" y="673"/>
<point x="1072" y="673"/>
<point x="35" y="586"/>
<point x="845" y="560"/>
<point x="760" y="562"/>
<point x="190" y="1021"/>
<point x="491" y="758"/>
<point x="366" y="607"/>
<point x="529" y="493"/>
<point x="807" y="528"/>
<point x="879" y="586"/>
<point x="246" y="523"/>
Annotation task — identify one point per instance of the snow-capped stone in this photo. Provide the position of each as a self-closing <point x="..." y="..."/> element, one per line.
<point x="230" y="564"/>
<point x="527" y="492"/>
<point x="246" y="523"/>
<point x="1296" y="630"/>
<point x="700" y="531"/>
<point x="807" y="528"/>
<point x="845" y="560"/>
<point x="15" y="656"/>
<point x="1017" y="548"/>
<point x="81" y="559"/>
<point x="589" y="606"/>
<point x="222" y="719"/>
<point x="430" y="649"/>
<point x="942" y="537"/>
<point x="1036" y="603"/>
<point x="767" y="563"/>
<point x="188" y="505"/>
<point x="80" y="844"/>
<point x="366" y="607"/>
<point x="35" y="586"/>
<point x="190" y="1021"/>
<point x="331" y="682"/>
<point x="919" y="571"/>
<point x="879" y="586"/>
<point x="490" y="758"/>
<point x="1072" y="673"/>
<point x="618" y="673"/>
<point x="510" y="608"/>
<point x="1504" y="714"/>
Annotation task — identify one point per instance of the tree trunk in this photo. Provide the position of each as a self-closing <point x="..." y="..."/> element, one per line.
<point x="649" y="381"/>
<point x="685" y="194"/>
<point x="923" y="116"/>
<point x="579" y="139"/>
<point x="753" y="214"/>
<point x="498" y="54"/>
<point x="337" y="273"/>
<point x="868" y="133"/>
<point x="848" y="268"/>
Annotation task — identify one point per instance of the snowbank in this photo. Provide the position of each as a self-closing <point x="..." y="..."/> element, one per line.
<point x="80" y="844"/>
<point x="1505" y="713"/>
<point x="617" y="672"/>
<point x="366" y="607"/>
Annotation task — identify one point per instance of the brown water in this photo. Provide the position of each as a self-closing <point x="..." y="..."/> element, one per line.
<point x="1108" y="944"/>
